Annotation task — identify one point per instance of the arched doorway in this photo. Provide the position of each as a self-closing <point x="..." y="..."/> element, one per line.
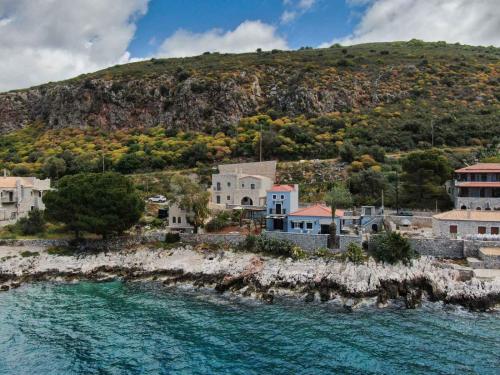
<point x="246" y="201"/>
<point x="463" y="207"/>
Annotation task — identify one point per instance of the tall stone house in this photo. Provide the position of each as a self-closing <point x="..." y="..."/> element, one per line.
<point x="477" y="187"/>
<point x="243" y="185"/>
<point x="19" y="196"/>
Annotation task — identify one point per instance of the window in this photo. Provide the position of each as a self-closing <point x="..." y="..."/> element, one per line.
<point x="274" y="196"/>
<point x="293" y="224"/>
<point x="481" y="230"/>
<point x="309" y="225"/>
<point x="282" y="197"/>
<point x="179" y="220"/>
<point x="494" y="230"/>
<point x="32" y="208"/>
<point x="218" y="185"/>
<point x="218" y="199"/>
<point x="40" y="194"/>
<point x="228" y="184"/>
<point x="242" y="186"/>
<point x="252" y="186"/>
<point x="301" y="224"/>
<point x="228" y="197"/>
<point x="453" y="229"/>
<point x="174" y="220"/>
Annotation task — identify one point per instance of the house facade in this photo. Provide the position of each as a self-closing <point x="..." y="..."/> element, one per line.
<point x="477" y="187"/>
<point x="315" y="219"/>
<point x="281" y="201"/>
<point x="244" y="184"/>
<point x="19" y="196"/>
<point x="178" y="219"/>
<point x="463" y="224"/>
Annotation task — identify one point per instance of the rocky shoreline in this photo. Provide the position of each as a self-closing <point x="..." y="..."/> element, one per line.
<point x="261" y="277"/>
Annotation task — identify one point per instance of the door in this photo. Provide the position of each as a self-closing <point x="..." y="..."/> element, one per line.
<point x="278" y="224"/>
<point x="278" y="208"/>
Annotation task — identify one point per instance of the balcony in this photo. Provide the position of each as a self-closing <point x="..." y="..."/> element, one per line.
<point x="8" y="199"/>
<point x="273" y="211"/>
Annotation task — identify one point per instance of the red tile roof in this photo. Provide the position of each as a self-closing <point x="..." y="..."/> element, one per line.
<point x="282" y="188"/>
<point x="318" y="210"/>
<point x="481" y="168"/>
<point x="479" y="184"/>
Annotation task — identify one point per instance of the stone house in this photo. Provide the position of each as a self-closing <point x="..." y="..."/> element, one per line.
<point x="244" y="184"/>
<point x="476" y="187"/>
<point x="281" y="201"/>
<point x="467" y="224"/>
<point x="178" y="219"/>
<point x="19" y="196"/>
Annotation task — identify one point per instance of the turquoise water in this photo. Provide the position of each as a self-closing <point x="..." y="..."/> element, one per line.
<point x="116" y="328"/>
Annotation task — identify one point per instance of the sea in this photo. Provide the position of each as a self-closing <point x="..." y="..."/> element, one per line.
<point x="148" y="328"/>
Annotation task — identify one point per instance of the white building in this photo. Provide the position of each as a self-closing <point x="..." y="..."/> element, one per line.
<point x="19" y="196"/>
<point x="467" y="224"/>
<point x="177" y="219"/>
<point x="244" y="184"/>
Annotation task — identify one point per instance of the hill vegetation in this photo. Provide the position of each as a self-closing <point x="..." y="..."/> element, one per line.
<point x="354" y="103"/>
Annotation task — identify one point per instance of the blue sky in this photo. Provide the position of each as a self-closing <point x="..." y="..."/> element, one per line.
<point x="321" y="21"/>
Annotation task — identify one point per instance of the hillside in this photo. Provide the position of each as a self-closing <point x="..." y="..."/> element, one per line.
<point x="310" y="104"/>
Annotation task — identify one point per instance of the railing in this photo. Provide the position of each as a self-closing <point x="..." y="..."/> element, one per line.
<point x="273" y="211"/>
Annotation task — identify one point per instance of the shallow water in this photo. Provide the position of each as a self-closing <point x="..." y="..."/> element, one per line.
<point x="140" y="328"/>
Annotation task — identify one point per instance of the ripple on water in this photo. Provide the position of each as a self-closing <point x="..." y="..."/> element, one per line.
<point x="116" y="328"/>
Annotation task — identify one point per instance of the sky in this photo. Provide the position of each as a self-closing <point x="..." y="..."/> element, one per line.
<point x="50" y="40"/>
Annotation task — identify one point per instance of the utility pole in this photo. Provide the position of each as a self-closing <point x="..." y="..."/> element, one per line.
<point x="383" y="201"/>
<point x="260" y="143"/>
<point x="432" y="133"/>
<point x="397" y="193"/>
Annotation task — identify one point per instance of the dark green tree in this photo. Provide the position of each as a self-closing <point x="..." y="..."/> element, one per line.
<point x="424" y="175"/>
<point x="367" y="186"/>
<point x="101" y="203"/>
<point x="33" y="223"/>
<point x="129" y="163"/>
<point x="392" y="248"/>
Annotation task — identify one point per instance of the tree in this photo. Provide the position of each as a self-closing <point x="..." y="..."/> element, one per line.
<point x="392" y="248"/>
<point x="129" y="163"/>
<point x="54" y="167"/>
<point x="339" y="196"/>
<point x="32" y="224"/>
<point x="367" y="186"/>
<point x="347" y="152"/>
<point x="424" y="175"/>
<point x="101" y="203"/>
<point x="191" y="198"/>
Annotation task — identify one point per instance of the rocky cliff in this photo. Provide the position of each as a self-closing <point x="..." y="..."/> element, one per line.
<point x="200" y="92"/>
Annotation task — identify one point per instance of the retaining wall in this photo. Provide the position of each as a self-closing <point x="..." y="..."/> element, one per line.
<point x="232" y="239"/>
<point x="308" y="242"/>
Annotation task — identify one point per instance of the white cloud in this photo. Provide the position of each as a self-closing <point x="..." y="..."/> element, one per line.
<point x="295" y="9"/>
<point x="247" y="37"/>
<point x="288" y="16"/>
<point x="44" y="41"/>
<point x="475" y="22"/>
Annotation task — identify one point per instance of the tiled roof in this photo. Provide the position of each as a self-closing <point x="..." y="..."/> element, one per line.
<point x="481" y="168"/>
<point x="282" y="188"/>
<point x="318" y="210"/>
<point x="470" y="215"/>
<point x="10" y="182"/>
<point x="479" y="184"/>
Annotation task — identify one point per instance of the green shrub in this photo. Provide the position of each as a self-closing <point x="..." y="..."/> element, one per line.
<point x="28" y="253"/>
<point x="172" y="237"/>
<point x="32" y="224"/>
<point x="271" y="246"/>
<point x="392" y="248"/>
<point x="354" y="254"/>
<point x="222" y="220"/>
<point x="60" y="250"/>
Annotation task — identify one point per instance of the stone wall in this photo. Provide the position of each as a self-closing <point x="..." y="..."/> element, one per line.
<point x="308" y="242"/>
<point x="438" y="247"/>
<point x="471" y="247"/>
<point x="232" y="239"/>
<point x="345" y="240"/>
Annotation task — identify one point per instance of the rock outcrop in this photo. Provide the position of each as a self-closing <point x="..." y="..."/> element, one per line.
<point x="264" y="277"/>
